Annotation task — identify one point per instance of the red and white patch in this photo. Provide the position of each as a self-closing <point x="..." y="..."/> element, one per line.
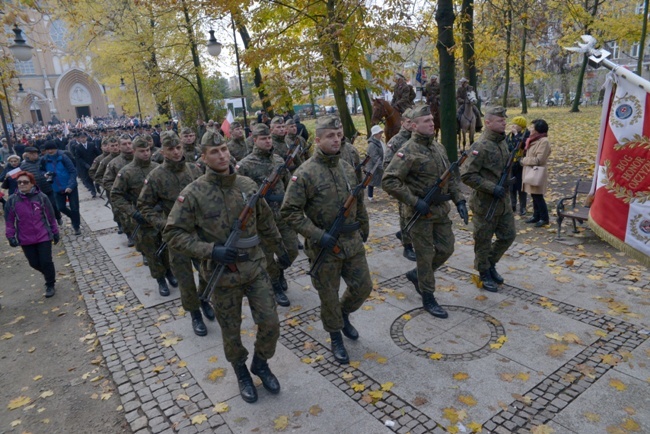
<point x="400" y="155"/>
<point x="294" y="178"/>
<point x="181" y="199"/>
<point x="237" y="167"/>
<point x="119" y="175"/>
<point x="146" y="181"/>
<point x="474" y="152"/>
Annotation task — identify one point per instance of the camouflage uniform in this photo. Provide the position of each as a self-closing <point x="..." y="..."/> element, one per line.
<point x="237" y="148"/>
<point x="160" y="190"/>
<point x="93" y="167"/>
<point x="482" y="170"/>
<point x="250" y="144"/>
<point x="350" y="155"/>
<point x="157" y="157"/>
<point x="395" y="144"/>
<point x="403" y="95"/>
<point x="112" y="169"/>
<point x="409" y="176"/>
<point x="126" y="189"/>
<point x="315" y="193"/>
<point x="203" y="216"/>
<point x="101" y="167"/>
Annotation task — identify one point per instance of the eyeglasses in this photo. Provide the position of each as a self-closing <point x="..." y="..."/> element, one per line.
<point x="24" y="182"/>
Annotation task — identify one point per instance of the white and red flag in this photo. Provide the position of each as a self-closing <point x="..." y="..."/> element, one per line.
<point x="620" y="212"/>
<point x="225" y="125"/>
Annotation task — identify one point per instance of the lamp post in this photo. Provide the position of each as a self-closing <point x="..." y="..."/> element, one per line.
<point x="137" y="95"/>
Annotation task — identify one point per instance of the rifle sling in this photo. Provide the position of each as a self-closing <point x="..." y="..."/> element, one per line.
<point x="247" y="243"/>
<point x="274" y="198"/>
<point x="348" y="229"/>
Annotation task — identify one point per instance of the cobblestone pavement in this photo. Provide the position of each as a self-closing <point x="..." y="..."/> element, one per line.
<point x="564" y="343"/>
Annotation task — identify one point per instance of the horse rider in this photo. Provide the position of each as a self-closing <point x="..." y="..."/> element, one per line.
<point x="403" y="94"/>
<point x="461" y="96"/>
<point x="432" y="91"/>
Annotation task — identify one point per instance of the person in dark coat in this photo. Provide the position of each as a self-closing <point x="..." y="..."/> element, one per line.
<point x="35" y="165"/>
<point x="84" y="155"/>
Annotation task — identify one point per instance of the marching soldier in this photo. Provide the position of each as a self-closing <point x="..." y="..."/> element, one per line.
<point x="198" y="226"/>
<point x="280" y="146"/>
<point x="124" y="195"/>
<point x="93" y="167"/>
<point x="260" y="164"/>
<point x="293" y="139"/>
<point x="403" y="94"/>
<point x="482" y="170"/>
<point x="109" y="175"/>
<point x="408" y="178"/>
<point x="315" y="193"/>
<point x="237" y="143"/>
<point x="160" y="190"/>
<point x="349" y="153"/>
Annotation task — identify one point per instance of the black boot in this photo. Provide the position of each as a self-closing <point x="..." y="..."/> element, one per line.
<point x="431" y="305"/>
<point x="280" y="297"/>
<point x="119" y="229"/>
<point x="171" y="279"/>
<point x="207" y="310"/>
<point x="49" y="290"/>
<point x="412" y="276"/>
<point x="513" y="200"/>
<point x="144" y="261"/>
<point x="283" y="281"/>
<point x="338" y="349"/>
<point x="488" y="283"/>
<point x="197" y="323"/>
<point x="495" y="275"/>
<point x="163" y="289"/>
<point x="533" y="219"/>
<point x="399" y="235"/>
<point x="261" y="368"/>
<point x="300" y="246"/>
<point x="522" y="203"/>
<point x="247" y="389"/>
<point x="348" y="329"/>
<point x="409" y="253"/>
<point x="130" y="242"/>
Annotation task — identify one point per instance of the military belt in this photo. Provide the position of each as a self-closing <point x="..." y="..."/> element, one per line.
<point x="348" y="229"/>
<point x="274" y="198"/>
<point x="247" y="243"/>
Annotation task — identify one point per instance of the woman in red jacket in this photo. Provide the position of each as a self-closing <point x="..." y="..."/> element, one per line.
<point x="31" y="224"/>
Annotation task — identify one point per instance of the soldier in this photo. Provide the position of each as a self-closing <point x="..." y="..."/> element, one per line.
<point x="432" y="91"/>
<point x="237" y="143"/>
<point x="408" y="178"/>
<point x="198" y="226"/>
<point x="124" y="197"/>
<point x="461" y="96"/>
<point x="123" y="144"/>
<point x="280" y="146"/>
<point x="258" y="166"/>
<point x="403" y="94"/>
<point x="315" y="193"/>
<point x="292" y="138"/>
<point x="392" y="147"/>
<point x="349" y="153"/>
<point x="93" y="167"/>
<point x="482" y="170"/>
<point x="160" y="190"/>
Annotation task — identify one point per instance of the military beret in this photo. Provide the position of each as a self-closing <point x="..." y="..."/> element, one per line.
<point x="289" y="122"/>
<point x="169" y="139"/>
<point x="235" y="125"/>
<point x="211" y="138"/>
<point x="398" y="75"/>
<point x="328" y="123"/>
<point x="140" y="142"/>
<point x="408" y="114"/>
<point x="464" y="80"/>
<point x="420" y="110"/>
<point x="520" y="120"/>
<point x="277" y="120"/>
<point x="30" y="149"/>
<point x="187" y="130"/>
<point x="497" y="111"/>
<point x="261" y="130"/>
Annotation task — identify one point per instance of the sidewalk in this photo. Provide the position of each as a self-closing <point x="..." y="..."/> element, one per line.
<point x="563" y="344"/>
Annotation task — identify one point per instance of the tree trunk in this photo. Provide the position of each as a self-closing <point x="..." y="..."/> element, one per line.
<point x="445" y="20"/>
<point x="364" y="100"/>
<point x="266" y="102"/>
<point x="644" y="30"/>
<point x="162" y="103"/>
<point x="469" y="56"/>
<point x="522" y="66"/>
<point x="506" y="80"/>
<point x="197" y="61"/>
<point x="575" y="107"/>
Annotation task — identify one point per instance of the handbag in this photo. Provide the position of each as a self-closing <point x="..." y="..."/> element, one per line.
<point x="534" y="175"/>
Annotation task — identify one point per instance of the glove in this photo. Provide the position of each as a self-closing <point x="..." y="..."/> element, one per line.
<point x="13" y="242"/>
<point x="225" y="255"/>
<point x="283" y="260"/>
<point x="327" y="241"/>
<point x="462" y="211"/>
<point x="364" y="236"/>
<point x="439" y="198"/>
<point x="56" y="238"/>
<point x="138" y="218"/>
<point x="422" y="207"/>
<point x="499" y="192"/>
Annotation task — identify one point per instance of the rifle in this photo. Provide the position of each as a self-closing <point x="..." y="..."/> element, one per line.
<point x="135" y="232"/>
<point x="108" y="202"/>
<point x="440" y="182"/>
<point x="504" y="177"/>
<point x="344" y="212"/>
<point x="161" y="249"/>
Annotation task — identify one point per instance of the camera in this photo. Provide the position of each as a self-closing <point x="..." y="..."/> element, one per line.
<point x="49" y="176"/>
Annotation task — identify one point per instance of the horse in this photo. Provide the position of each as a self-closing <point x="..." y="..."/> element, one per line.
<point x="434" y="106"/>
<point x="467" y="123"/>
<point x="383" y="111"/>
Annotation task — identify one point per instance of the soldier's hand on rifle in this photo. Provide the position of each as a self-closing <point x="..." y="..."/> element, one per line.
<point x="364" y="236"/>
<point x="422" y="207"/>
<point x="283" y="260"/>
<point x="327" y="241"/>
<point x="439" y="198"/>
<point x="138" y="218"/>
<point x="499" y="192"/>
<point x="225" y="255"/>
<point x="462" y="211"/>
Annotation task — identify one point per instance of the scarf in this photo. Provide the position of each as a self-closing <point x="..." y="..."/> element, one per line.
<point x="533" y="138"/>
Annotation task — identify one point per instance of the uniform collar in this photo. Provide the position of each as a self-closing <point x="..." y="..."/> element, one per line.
<point x="277" y="138"/>
<point x="261" y="152"/>
<point x="127" y="157"/>
<point x="190" y="147"/>
<point x="174" y="166"/>
<point x="404" y="132"/>
<point x="494" y="136"/>
<point x="327" y="160"/>
<point x="421" y="139"/>
<point x="142" y="163"/>
<point x="219" y="179"/>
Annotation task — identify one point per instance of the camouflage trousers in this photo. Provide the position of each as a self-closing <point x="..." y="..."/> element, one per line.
<point x="434" y="244"/>
<point x="147" y="241"/>
<point x="486" y="252"/>
<point x="227" y="303"/>
<point x="290" y="239"/>
<point x="182" y="268"/>
<point x="403" y="221"/>
<point x="355" y="274"/>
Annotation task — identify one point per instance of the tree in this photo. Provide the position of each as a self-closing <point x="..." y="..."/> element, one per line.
<point x="445" y="18"/>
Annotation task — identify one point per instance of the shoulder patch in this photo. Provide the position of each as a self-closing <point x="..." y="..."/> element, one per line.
<point x="237" y="167"/>
<point x="474" y="152"/>
<point x="294" y="178"/>
<point x="181" y="199"/>
<point x="400" y="155"/>
<point x="119" y="174"/>
<point x="146" y="181"/>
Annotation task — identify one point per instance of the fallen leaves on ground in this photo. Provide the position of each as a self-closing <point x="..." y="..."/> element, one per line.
<point x="315" y="410"/>
<point x="221" y="407"/>
<point x="18" y="402"/>
<point x="216" y="373"/>
<point x="461" y="376"/>
<point x="199" y="419"/>
<point x="542" y="429"/>
<point x="281" y="423"/>
<point x="617" y="384"/>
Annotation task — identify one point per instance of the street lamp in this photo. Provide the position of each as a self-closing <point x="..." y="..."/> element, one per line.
<point x="122" y="85"/>
<point x="137" y="95"/>
<point x="214" y="47"/>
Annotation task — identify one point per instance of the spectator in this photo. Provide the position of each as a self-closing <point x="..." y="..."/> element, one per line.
<point x="30" y="224"/>
<point x="517" y="137"/>
<point x="19" y="148"/>
<point x="8" y="181"/>
<point x="63" y="176"/>
<point x="538" y="150"/>
<point x="4" y="151"/>
<point x="36" y="166"/>
<point x="302" y="129"/>
<point x="376" y="152"/>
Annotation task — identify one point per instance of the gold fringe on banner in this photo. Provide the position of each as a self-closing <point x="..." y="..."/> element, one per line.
<point x="619" y="244"/>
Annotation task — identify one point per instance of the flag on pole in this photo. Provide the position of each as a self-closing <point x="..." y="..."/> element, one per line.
<point x="225" y="126"/>
<point x="421" y="76"/>
<point x="620" y="212"/>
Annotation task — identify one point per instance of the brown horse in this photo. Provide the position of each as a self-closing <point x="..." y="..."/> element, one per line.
<point x="382" y="111"/>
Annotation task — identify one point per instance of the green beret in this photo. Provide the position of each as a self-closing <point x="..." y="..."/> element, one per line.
<point x="235" y="124"/>
<point x="261" y="130"/>
<point x="496" y="111"/>
<point x="408" y="114"/>
<point x="187" y="130"/>
<point x="140" y="142"/>
<point x="169" y="139"/>
<point x="211" y="138"/>
<point x="290" y="122"/>
<point x="420" y="110"/>
<point x="277" y="120"/>
<point x="328" y="123"/>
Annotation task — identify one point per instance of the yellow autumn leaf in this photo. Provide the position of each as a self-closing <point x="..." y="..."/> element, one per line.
<point x="386" y="386"/>
<point x="212" y="359"/>
<point x="523" y="376"/>
<point x="199" y="419"/>
<point x="221" y="407"/>
<point x="16" y="320"/>
<point x="617" y="384"/>
<point x="182" y="397"/>
<point x="358" y="387"/>
<point x="307" y="360"/>
<point x="475" y="427"/>
<point x="347" y="376"/>
<point x="502" y="339"/>
<point x="355" y="364"/>
<point x="216" y="373"/>
<point x="381" y="360"/>
<point x="571" y="338"/>
<point x="436" y="356"/>
<point x="6" y="336"/>
<point x="461" y="376"/>
<point x="158" y="369"/>
<point x="601" y="333"/>
<point x="481" y="297"/>
<point x="293" y="322"/>
<point x="367" y="307"/>
<point x="106" y="396"/>
<point x="630" y="425"/>
<point x="496" y="346"/>
<point x="46" y="394"/>
<point x="534" y="327"/>
<point x="281" y="423"/>
<point x="542" y="429"/>
<point x="555" y="336"/>
<point x="315" y="410"/>
<point x="467" y="400"/>
<point x="556" y="350"/>
<point x="182" y="364"/>
<point x="476" y="280"/>
<point x="376" y="394"/>
<point x="610" y="359"/>
<point x="18" y="402"/>
<point x="601" y="264"/>
<point x="15" y="423"/>
<point x="38" y="377"/>
<point x="592" y="417"/>
<point x="171" y="341"/>
<point x="563" y="279"/>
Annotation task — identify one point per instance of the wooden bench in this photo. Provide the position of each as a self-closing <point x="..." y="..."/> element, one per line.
<point x="575" y="211"/>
